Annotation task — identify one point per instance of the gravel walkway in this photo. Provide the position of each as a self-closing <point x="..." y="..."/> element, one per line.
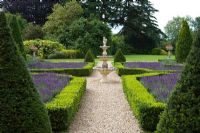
<point x="104" y="108"/>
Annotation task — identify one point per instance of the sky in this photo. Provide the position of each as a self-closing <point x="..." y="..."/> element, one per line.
<point x="172" y="8"/>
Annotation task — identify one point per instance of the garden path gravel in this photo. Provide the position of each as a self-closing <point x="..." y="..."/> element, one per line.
<point x="104" y="108"/>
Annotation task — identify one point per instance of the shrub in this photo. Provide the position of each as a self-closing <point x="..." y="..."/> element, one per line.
<point x="118" y="43"/>
<point x="32" y="32"/>
<point x="64" y="106"/>
<point x="45" y="47"/>
<point x="182" y="112"/>
<point x="21" y="108"/>
<point x="119" y="56"/>
<point x="16" y="33"/>
<point x="89" y="57"/>
<point x="184" y="43"/>
<point x="65" y="54"/>
<point x="158" y="51"/>
<point x="142" y="103"/>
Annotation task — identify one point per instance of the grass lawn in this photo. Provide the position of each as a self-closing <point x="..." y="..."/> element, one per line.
<point x="128" y="58"/>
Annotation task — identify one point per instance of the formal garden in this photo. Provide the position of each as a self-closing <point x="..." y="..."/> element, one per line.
<point x="55" y="77"/>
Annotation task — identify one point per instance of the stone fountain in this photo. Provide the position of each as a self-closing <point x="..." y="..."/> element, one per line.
<point x="105" y="70"/>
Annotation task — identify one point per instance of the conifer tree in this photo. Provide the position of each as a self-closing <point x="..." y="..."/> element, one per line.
<point x="21" y="108"/>
<point x="184" y="43"/>
<point x="182" y="114"/>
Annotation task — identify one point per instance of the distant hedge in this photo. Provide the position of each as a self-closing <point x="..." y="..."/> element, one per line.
<point x="85" y="71"/>
<point x="64" y="106"/>
<point x="142" y="103"/>
<point x="66" y="54"/>
<point x="45" y="47"/>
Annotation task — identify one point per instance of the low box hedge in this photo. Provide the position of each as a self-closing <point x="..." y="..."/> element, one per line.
<point x="121" y="70"/>
<point x="143" y="104"/>
<point x="85" y="71"/>
<point x="63" y="107"/>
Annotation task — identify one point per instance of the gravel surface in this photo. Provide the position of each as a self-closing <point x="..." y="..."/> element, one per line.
<point x="104" y="108"/>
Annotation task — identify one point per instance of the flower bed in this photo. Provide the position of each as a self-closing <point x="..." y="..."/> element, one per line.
<point x="49" y="84"/>
<point x="153" y="65"/>
<point x="50" y="65"/>
<point x="161" y="86"/>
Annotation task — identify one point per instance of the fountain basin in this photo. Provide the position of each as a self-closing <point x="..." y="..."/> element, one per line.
<point x="104" y="58"/>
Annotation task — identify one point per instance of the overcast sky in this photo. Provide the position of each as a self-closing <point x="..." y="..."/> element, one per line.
<point x="172" y="8"/>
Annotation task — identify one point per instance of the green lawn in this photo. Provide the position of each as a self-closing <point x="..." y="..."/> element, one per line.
<point x="128" y="58"/>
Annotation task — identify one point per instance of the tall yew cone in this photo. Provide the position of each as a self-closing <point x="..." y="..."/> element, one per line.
<point x="21" y="110"/>
<point x="16" y="33"/>
<point x="182" y="114"/>
<point x="184" y="43"/>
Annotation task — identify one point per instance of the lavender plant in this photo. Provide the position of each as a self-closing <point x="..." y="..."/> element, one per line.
<point x="153" y="65"/>
<point x="49" y="84"/>
<point x="49" y="65"/>
<point x="161" y="86"/>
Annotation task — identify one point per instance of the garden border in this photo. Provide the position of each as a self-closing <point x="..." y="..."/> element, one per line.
<point x="63" y="107"/>
<point x="144" y="106"/>
<point x="85" y="71"/>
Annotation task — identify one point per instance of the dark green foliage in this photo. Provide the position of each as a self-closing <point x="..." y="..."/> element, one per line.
<point x="142" y="103"/>
<point x="89" y="57"/>
<point x="119" y="56"/>
<point x="16" y="33"/>
<point x="118" y="43"/>
<point x="184" y="43"/>
<point x="33" y="31"/>
<point x="66" y="54"/>
<point x="21" y="108"/>
<point x="64" y="106"/>
<point x="86" y="71"/>
<point x="182" y="114"/>
<point x="84" y="34"/>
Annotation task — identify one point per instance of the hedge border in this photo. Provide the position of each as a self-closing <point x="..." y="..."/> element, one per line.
<point x="63" y="107"/>
<point x="121" y="70"/>
<point x="85" y="71"/>
<point x="142" y="103"/>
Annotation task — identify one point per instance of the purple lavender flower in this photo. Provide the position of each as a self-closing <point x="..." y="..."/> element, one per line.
<point x="49" y="65"/>
<point x="161" y="86"/>
<point x="153" y="65"/>
<point x="49" y="84"/>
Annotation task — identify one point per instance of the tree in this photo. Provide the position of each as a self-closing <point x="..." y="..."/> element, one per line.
<point x="84" y="34"/>
<point x="16" y="33"/>
<point x="33" y="31"/>
<point x="62" y="16"/>
<point x="34" y="11"/>
<point x="184" y="43"/>
<point x="173" y="27"/>
<point x="182" y="112"/>
<point x="21" y="107"/>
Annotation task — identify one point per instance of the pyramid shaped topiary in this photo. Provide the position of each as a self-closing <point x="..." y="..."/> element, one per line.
<point x="16" y="33"/>
<point x="184" y="43"/>
<point x="89" y="57"/>
<point x="21" y="108"/>
<point x="182" y="114"/>
<point x="119" y="56"/>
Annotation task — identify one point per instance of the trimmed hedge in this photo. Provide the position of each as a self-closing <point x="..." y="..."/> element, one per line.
<point x="89" y="56"/>
<point x="119" y="56"/>
<point x="143" y="104"/>
<point x="66" y="54"/>
<point x="121" y="70"/>
<point x="85" y="71"/>
<point x="64" y="106"/>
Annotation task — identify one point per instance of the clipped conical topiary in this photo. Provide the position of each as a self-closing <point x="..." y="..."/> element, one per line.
<point x="89" y="57"/>
<point x="119" y="56"/>
<point x="182" y="114"/>
<point x="16" y="33"/>
<point x="21" y="108"/>
<point x="184" y="43"/>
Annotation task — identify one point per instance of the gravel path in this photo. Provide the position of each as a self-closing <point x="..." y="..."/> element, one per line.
<point x="104" y="108"/>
